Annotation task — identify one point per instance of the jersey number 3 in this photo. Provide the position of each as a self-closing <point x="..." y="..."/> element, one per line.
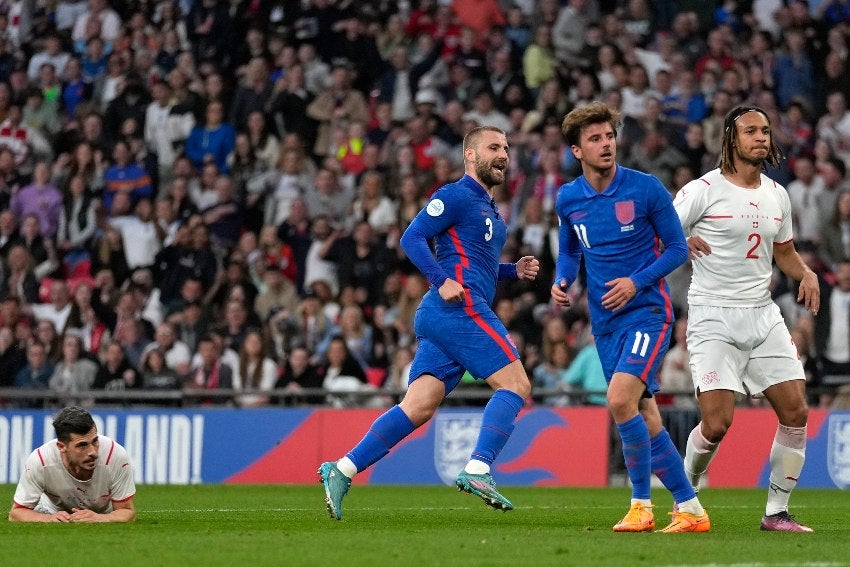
<point x="489" y="235"/>
<point x="751" y="253"/>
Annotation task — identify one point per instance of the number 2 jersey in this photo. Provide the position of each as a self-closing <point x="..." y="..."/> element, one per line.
<point x="741" y="225"/>
<point x="620" y="231"/>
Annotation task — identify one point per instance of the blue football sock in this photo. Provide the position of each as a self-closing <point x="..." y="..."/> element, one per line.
<point x="497" y="425"/>
<point x="636" y="450"/>
<point x="667" y="466"/>
<point x="390" y="428"/>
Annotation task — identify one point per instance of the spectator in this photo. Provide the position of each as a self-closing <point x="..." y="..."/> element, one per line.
<point x="77" y="222"/>
<point x="167" y="127"/>
<point x="342" y="374"/>
<point x="299" y="373"/>
<point x="74" y="373"/>
<point x="224" y="217"/>
<point x="213" y="141"/>
<point x="116" y="374"/>
<point x="806" y="193"/>
<point x="256" y="371"/>
<point x="832" y="326"/>
<point x="835" y="245"/>
<point x="211" y="373"/>
<point x="254" y="95"/>
<point x="125" y="176"/>
<point x="12" y="357"/>
<point x="177" y="354"/>
<point x="20" y="281"/>
<point x="336" y="103"/>
<point x="40" y="198"/>
<point x="35" y="374"/>
<point x="141" y="234"/>
<point x="155" y="374"/>
<point x="585" y="373"/>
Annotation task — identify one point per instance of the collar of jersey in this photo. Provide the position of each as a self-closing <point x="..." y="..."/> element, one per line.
<point x="610" y="190"/>
<point x="468" y="180"/>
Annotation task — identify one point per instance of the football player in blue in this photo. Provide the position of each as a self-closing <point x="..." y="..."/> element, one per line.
<point x="617" y="219"/>
<point x="456" y="328"/>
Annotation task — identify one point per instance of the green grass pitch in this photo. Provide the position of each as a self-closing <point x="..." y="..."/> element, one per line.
<point x="394" y="525"/>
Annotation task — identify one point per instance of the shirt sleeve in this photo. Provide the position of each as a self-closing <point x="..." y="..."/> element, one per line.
<point x="569" y="254"/>
<point x="690" y="204"/>
<point x="436" y="218"/>
<point x="507" y="271"/>
<point x="666" y="223"/>
<point x="31" y="484"/>
<point x="121" y="483"/>
<point x="786" y="225"/>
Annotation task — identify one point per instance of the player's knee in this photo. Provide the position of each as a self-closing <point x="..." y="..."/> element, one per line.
<point x="796" y="417"/>
<point x="523" y="389"/>
<point x="714" y="430"/>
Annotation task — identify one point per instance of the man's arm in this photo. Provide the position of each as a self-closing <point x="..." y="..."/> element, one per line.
<point x="793" y="266"/>
<point x="23" y="514"/>
<point x="567" y="265"/>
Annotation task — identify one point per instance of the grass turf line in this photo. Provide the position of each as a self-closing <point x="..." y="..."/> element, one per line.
<point x="383" y="525"/>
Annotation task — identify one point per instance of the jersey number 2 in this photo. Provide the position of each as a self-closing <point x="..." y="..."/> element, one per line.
<point x="751" y="253"/>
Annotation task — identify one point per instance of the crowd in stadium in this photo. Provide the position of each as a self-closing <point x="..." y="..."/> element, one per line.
<point x="204" y="194"/>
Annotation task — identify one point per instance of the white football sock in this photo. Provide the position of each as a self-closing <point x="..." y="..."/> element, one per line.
<point x="698" y="455"/>
<point x="691" y="506"/>
<point x="787" y="456"/>
<point x="347" y="467"/>
<point x="476" y="467"/>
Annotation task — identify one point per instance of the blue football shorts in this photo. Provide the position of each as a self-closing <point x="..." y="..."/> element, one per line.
<point x="454" y="338"/>
<point x="638" y="349"/>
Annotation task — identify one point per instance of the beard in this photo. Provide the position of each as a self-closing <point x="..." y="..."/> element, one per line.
<point x="489" y="176"/>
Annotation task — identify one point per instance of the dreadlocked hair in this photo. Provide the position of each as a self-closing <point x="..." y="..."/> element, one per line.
<point x="726" y="162"/>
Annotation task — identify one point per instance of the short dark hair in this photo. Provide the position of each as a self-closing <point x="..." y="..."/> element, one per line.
<point x="72" y="419"/>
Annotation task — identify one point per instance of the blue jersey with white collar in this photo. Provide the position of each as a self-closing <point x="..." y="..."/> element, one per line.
<point x="469" y="235"/>
<point x="619" y="232"/>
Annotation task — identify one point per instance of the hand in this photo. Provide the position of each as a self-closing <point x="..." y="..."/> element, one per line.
<point x="559" y="293"/>
<point x="697" y="247"/>
<point x="62" y="517"/>
<point x="809" y="294"/>
<point x="527" y="268"/>
<point x="86" y="516"/>
<point x="622" y="290"/>
<point x="451" y="291"/>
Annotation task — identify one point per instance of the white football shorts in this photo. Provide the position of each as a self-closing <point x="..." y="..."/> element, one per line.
<point x="743" y="349"/>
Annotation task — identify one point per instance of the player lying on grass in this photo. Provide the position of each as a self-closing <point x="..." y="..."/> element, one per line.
<point x="78" y="477"/>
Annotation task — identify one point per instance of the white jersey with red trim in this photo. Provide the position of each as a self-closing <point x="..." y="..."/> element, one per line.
<point x="741" y="225"/>
<point x="47" y="486"/>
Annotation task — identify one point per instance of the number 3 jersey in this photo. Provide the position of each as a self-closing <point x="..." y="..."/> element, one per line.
<point x="741" y="226"/>
<point x="469" y="234"/>
<point x="620" y="232"/>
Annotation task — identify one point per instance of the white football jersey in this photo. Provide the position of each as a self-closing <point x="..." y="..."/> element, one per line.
<point x="47" y="486"/>
<point x="741" y="225"/>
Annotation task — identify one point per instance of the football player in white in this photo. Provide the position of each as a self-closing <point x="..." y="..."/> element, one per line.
<point x="78" y="477"/>
<point x="738" y="221"/>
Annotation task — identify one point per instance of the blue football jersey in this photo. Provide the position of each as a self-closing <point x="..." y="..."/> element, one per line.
<point x="469" y="234"/>
<point x="620" y="232"/>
